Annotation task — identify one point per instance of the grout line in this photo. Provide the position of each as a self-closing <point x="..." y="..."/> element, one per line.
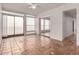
<point x="17" y="44"/>
<point x="5" y="42"/>
<point x="11" y="47"/>
<point x="2" y="46"/>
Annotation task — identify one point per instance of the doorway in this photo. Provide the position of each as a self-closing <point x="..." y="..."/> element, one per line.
<point x="69" y="31"/>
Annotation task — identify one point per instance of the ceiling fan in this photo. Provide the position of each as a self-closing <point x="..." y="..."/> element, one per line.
<point x="32" y="5"/>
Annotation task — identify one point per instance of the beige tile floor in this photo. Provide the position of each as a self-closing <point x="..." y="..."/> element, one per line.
<point x="12" y="45"/>
<point x="37" y="45"/>
<point x="16" y="45"/>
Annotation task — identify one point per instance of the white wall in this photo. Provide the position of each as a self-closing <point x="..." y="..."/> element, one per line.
<point x="56" y="17"/>
<point x="67" y="26"/>
<point x="37" y="27"/>
<point x="77" y="27"/>
<point x="56" y="25"/>
<point x="0" y="24"/>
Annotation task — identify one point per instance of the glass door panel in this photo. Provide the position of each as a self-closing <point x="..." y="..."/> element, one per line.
<point x="45" y="30"/>
<point x="18" y="25"/>
<point x="10" y="25"/>
<point x="46" y="24"/>
<point x="4" y="29"/>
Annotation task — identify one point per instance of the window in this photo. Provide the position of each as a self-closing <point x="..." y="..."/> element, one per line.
<point x="46" y="24"/>
<point x="30" y="25"/>
<point x="42" y="24"/>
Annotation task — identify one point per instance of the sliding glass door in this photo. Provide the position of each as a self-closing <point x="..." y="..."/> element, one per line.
<point x="18" y="25"/>
<point x="12" y="25"/>
<point x="45" y="30"/>
<point x="46" y="24"/>
<point x="4" y="25"/>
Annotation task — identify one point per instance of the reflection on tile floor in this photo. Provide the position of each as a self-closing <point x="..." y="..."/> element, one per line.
<point x="70" y="45"/>
<point x="38" y="45"/>
<point x="12" y="45"/>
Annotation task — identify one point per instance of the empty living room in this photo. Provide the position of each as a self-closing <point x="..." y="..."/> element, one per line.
<point x="39" y="28"/>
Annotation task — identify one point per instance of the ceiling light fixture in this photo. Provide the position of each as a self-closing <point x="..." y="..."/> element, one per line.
<point x="33" y="6"/>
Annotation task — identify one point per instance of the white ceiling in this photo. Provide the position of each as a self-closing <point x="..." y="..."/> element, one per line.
<point x="24" y="7"/>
